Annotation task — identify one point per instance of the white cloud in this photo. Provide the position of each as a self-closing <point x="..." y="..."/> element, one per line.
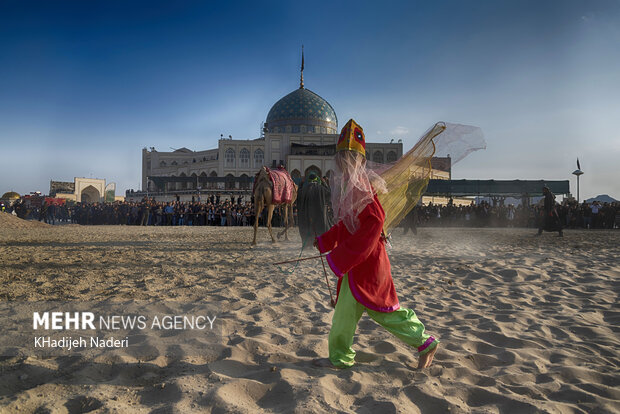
<point x="399" y="130"/>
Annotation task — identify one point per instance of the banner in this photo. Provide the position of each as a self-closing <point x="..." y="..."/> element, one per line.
<point x="55" y="201"/>
<point x="110" y="191"/>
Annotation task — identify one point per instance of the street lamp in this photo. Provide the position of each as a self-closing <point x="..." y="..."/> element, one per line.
<point x="578" y="172"/>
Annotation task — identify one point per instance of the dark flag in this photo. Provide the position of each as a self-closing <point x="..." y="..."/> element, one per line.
<point x="578" y="166"/>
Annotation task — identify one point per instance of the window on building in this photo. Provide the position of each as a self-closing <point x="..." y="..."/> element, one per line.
<point x="391" y="156"/>
<point x="259" y="157"/>
<point x="244" y="157"/>
<point x="295" y="129"/>
<point x="229" y="157"/>
<point x="377" y="156"/>
<point x="162" y="164"/>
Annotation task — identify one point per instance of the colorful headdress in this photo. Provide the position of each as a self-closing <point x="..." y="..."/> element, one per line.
<point x="352" y="185"/>
<point x="352" y="138"/>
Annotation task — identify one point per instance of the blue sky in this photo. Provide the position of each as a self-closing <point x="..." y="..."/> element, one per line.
<point x="84" y="86"/>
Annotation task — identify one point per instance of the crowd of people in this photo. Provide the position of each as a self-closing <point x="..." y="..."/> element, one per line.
<point x="214" y="211"/>
<point x="571" y="214"/>
<point x="218" y="210"/>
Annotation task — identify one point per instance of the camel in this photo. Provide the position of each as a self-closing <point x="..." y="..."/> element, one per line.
<point x="263" y="196"/>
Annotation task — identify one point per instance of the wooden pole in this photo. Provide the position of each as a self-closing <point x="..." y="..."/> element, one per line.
<point x="299" y="260"/>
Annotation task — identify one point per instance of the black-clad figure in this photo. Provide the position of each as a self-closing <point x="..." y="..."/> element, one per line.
<point x="314" y="213"/>
<point x="549" y="219"/>
<point x="411" y="221"/>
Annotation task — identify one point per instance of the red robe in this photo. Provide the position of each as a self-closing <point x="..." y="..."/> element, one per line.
<point x="363" y="257"/>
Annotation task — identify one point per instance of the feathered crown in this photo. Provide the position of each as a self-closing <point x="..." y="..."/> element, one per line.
<point x="352" y="138"/>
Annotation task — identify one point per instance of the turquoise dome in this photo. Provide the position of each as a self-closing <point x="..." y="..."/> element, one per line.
<point x="302" y="108"/>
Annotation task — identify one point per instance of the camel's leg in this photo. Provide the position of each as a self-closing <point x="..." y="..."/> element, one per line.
<point x="269" y="215"/>
<point x="279" y="235"/>
<point x="259" y="209"/>
<point x="290" y="216"/>
<point x="286" y="223"/>
<point x="286" y="219"/>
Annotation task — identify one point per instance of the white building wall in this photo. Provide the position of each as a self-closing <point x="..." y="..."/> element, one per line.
<point x="275" y="146"/>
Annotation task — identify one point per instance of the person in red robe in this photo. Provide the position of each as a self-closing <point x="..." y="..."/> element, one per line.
<point x="357" y="256"/>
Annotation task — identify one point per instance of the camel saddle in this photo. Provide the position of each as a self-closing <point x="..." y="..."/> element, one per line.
<point x="282" y="185"/>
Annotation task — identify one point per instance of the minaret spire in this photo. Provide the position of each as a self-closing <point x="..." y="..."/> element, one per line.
<point x="301" y="81"/>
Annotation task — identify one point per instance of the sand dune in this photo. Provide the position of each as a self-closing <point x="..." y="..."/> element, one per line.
<point x="9" y="221"/>
<point x="527" y="324"/>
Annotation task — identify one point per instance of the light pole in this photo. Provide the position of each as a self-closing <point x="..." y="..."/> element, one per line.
<point x="578" y="172"/>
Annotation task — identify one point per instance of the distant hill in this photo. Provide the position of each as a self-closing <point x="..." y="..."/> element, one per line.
<point x="603" y="198"/>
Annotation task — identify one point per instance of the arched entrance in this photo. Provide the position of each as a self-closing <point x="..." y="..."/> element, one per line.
<point x="312" y="169"/>
<point x="213" y="184"/>
<point x="90" y="195"/>
<point x="244" y="182"/>
<point x="296" y="176"/>
<point x="202" y="183"/>
<point x="377" y="156"/>
<point x="230" y="182"/>
<point x="172" y="185"/>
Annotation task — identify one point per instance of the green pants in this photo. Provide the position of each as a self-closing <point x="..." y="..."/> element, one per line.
<point x="402" y="323"/>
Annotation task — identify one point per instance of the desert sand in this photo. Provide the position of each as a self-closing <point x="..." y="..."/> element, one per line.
<point x="527" y="324"/>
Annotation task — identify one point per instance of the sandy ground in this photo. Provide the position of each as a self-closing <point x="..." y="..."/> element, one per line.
<point x="527" y="324"/>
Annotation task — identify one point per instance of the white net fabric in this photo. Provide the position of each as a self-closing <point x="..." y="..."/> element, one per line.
<point x="399" y="185"/>
<point x="353" y="187"/>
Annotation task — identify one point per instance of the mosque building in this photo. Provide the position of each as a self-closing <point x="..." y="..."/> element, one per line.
<point x="300" y="133"/>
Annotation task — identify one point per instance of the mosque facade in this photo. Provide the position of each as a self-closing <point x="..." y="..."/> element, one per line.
<point x="87" y="190"/>
<point x="300" y="133"/>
